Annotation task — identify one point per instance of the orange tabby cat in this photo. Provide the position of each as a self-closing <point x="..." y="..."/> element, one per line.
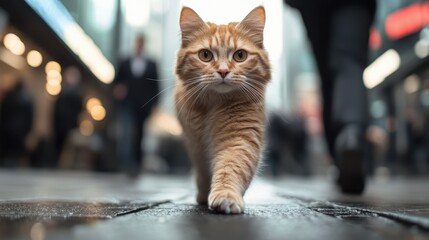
<point x="222" y="72"/>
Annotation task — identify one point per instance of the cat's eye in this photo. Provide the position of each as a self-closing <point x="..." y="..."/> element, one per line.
<point x="240" y="55"/>
<point x="205" y="55"/>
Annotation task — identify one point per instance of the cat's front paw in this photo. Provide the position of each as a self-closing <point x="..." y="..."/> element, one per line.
<point x="226" y="201"/>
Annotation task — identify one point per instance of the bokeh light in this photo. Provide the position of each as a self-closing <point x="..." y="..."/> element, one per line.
<point x="52" y="65"/>
<point x="34" y="58"/>
<point x="53" y="89"/>
<point x="92" y="102"/>
<point x="412" y="84"/>
<point x="54" y="77"/>
<point x="14" y="44"/>
<point x="98" y="113"/>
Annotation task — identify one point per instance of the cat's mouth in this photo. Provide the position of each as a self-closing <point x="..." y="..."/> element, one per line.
<point x="223" y="86"/>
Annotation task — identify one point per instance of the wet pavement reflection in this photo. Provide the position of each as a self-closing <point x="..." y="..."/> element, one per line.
<point x="163" y="207"/>
<point x="35" y="218"/>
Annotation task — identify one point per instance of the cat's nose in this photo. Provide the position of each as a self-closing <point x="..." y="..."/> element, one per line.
<point x="223" y="73"/>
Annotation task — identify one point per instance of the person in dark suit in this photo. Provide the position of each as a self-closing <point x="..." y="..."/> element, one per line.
<point x="16" y="120"/>
<point x="136" y="88"/>
<point x="67" y="108"/>
<point x="338" y="31"/>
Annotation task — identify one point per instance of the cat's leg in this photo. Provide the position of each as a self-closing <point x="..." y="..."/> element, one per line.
<point x="234" y="165"/>
<point x="200" y="164"/>
<point x="203" y="177"/>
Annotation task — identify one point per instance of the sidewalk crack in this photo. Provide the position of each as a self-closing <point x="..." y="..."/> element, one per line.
<point x="139" y="209"/>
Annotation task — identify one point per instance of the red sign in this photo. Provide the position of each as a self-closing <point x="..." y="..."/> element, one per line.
<point x="407" y="21"/>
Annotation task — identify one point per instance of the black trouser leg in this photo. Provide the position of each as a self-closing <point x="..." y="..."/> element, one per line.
<point x="139" y="120"/>
<point x="339" y="39"/>
<point x="348" y="57"/>
<point x="317" y="23"/>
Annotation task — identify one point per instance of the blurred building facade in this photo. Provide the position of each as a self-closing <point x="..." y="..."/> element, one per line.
<point x="397" y="78"/>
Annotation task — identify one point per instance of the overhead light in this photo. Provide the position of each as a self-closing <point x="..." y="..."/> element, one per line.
<point x="14" y="44"/>
<point x="92" y="102"/>
<point x="53" y="74"/>
<point x="53" y="89"/>
<point x="382" y="67"/>
<point x="421" y="48"/>
<point x="34" y="58"/>
<point x="55" y="14"/>
<point x="98" y="113"/>
<point x="95" y="109"/>
<point x="89" y="53"/>
<point x="52" y="66"/>
<point x="53" y="81"/>
<point x="412" y="84"/>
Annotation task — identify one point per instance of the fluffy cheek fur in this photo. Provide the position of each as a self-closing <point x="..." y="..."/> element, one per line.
<point x="223" y="132"/>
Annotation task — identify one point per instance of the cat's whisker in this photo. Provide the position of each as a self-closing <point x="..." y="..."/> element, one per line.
<point x="188" y="95"/>
<point x="197" y="76"/>
<point x="188" y="92"/>
<point x="267" y="123"/>
<point x="257" y="87"/>
<point x="255" y="77"/>
<point x="160" y="80"/>
<point x="152" y="98"/>
<point x="200" y="91"/>
<point x="192" y="79"/>
<point x="191" y="84"/>
<point x="246" y="92"/>
<point x="251" y="80"/>
<point x="255" y="92"/>
<point x="187" y="100"/>
<point x="251" y="95"/>
<point x="208" y="79"/>
<point x="256" y="82"/>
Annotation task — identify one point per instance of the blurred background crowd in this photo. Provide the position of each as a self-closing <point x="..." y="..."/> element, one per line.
<point x="66" y="101"/>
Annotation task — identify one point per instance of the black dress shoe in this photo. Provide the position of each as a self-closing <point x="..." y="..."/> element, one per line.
<point x="349" y="149"/>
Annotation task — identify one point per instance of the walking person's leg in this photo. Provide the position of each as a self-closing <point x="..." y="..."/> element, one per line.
<point x="348" y="57"/>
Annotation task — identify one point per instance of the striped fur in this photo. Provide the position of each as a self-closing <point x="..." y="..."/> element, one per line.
<point x="222" y="121"/>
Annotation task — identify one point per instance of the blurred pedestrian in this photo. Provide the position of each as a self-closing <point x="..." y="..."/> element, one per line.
<point x="16" y="120"/>
<point x="135" y="89"/>
<point x="287" y="144"/>
<point x="67" y="109"/>
<point x="338" y="31"/>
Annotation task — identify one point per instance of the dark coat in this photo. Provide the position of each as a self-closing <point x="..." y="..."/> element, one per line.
<point x="142" y="90"/>
<point x="16" y="119"/>
<point x="67" y="109"/>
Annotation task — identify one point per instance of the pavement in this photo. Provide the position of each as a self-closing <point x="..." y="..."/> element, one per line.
<point x="41" y="205"/>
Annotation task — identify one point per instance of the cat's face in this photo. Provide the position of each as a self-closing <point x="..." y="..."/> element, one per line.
<point x="223" y="58"/>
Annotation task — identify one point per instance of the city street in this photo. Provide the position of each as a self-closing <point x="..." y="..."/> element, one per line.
<point x="82" y="205"/>
<point x="94" y="93"/>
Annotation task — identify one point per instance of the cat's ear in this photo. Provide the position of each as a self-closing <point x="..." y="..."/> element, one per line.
<point x="190" y="23"/>
<point x="253" y="25"/>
